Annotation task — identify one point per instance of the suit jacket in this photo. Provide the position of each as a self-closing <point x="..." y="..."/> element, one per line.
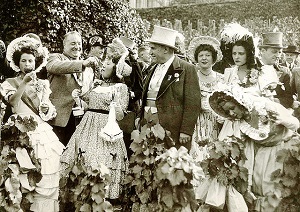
<point x="296" y="82"/>
<point x="284" y="92"/>
<point x="178" y="99"/>
<point x="62" y="82"/>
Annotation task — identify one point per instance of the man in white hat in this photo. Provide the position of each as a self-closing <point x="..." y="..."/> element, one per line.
<point x="270" y="52"/>
<point x="171" y="89"/>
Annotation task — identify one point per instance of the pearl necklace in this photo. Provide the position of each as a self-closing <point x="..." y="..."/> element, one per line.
<point x="205" y="74"/>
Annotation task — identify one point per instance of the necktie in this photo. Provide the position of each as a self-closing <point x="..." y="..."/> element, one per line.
<point x="156" y="78"/>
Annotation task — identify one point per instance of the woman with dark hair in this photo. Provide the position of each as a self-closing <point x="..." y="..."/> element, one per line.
<point x="205" y="51"/>
<point x="242" y="49"/>
<point x="29" y="97"/>
<point x="98" y="135"/>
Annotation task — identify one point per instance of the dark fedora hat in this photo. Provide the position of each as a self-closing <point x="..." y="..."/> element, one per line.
<point x="291" y="49"/>
<point x="272" y="39"/>
<point x="96" y="40"/>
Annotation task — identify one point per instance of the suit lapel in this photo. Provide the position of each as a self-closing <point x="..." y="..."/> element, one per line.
<point x="148" y="79"/>
<point x="171" y="76"/>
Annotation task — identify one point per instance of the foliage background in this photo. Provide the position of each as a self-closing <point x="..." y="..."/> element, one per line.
<point x="51" y="19"/>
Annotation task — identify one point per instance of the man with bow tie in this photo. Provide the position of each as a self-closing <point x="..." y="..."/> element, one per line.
<point x="270" y="51"/>
<point x="171" y="89"/>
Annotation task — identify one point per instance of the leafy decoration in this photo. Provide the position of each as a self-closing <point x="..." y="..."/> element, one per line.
<point x="225" y="162"/>
<point x="83" y="189"/>
<point x="289" y="177"/>
<point x="15" y="196"/>
<point x="160" y="175"/>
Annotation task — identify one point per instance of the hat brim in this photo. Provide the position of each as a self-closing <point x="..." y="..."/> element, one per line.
<point x="161" y="43"/>
<point x="294" y="52"/>
<point x="272" y="46"/>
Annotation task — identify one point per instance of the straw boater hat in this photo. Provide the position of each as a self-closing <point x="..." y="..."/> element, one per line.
<point x="272" y="39"/>
<point x="164" y="36"/>
<point x="26" y="42"/>
<point x="291" y="49"/>
<point x="197" y="41"/>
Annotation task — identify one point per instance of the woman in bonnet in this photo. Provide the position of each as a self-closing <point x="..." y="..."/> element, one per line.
<point x="267" y="127"/>
<point x="29" y="96"/>
<point x="98" y="134"/>
<point x="205" y="52"/>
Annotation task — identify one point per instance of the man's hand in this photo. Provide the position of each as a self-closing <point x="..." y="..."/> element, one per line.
<point x="184" y="138"/>
<point x="90" y="62"/>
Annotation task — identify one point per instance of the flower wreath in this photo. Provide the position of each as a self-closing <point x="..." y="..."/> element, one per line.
<point x="21" y="42"/>
<point x="250" y="79"/>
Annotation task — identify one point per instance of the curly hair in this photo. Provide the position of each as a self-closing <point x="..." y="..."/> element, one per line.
<point x="206" y="47"/>
<point x="27" y="50"/>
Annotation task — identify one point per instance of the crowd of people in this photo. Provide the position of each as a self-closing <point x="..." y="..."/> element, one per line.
<point x="90" y="101"/>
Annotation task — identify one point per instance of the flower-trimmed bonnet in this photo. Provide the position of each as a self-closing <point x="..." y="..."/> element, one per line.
<point x="201" y="40"/>
<point x="26" y="42"/>
<point x="225" y="92"/>
<point x="120" y="50"/>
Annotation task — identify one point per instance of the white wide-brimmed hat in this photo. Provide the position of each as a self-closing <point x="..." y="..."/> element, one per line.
<point x="164" y="36"/>
<point x="201" y="40"/>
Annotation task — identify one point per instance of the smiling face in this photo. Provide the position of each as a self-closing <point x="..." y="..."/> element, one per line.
<point x="73" y="45"/>
<point x="239" y="55"/>
<point x="290" y="57"/>
<point x="27" y="63"/>
<point x="205" y="59"/>
<point x="157" y="53"/>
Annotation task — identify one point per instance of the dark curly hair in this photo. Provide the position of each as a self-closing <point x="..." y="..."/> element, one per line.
<point x="206" y="47"/>
<point x="250" y="51"/>
<point x="27" y="50"/>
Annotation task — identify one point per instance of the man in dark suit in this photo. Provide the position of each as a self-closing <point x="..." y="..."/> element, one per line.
<point x="171" y="89"/>
<point x="270" y="51"/>
<point x="65" y="74"/>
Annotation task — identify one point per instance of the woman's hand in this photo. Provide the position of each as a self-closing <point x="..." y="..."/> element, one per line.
<point x="28" y="77"/>
<point x="44" y="108"/>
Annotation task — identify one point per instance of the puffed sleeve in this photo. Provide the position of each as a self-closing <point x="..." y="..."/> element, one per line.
<point x="121" y="95"/>
<point x="7" y="90"/>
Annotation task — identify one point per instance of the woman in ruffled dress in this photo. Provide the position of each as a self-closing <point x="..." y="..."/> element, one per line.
<point x="269" y="127"/>
<point x="205" y="52"/>
<point x="29" y="96"/>
<point x="98" y="135"/>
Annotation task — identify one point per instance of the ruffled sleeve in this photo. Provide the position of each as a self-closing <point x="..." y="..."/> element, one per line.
<point x="7" y="90"/>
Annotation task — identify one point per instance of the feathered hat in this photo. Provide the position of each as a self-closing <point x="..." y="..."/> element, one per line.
<point x="26" y="42"/>
<point x="233" y="32"/>
<point x="197" y="41"/>
<point x="119" y="50"/>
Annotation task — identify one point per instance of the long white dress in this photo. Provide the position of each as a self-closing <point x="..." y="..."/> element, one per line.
<point x="46" y="145"/>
